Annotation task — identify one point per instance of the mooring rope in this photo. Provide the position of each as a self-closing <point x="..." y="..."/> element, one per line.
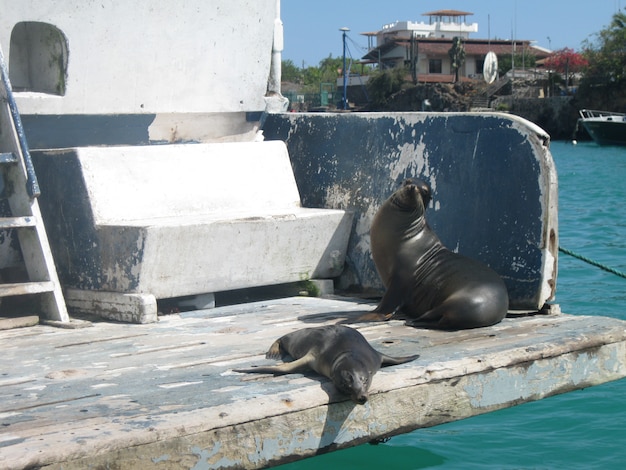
<point x="592" y="262"/>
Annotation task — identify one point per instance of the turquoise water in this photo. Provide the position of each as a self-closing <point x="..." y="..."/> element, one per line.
<point x="578" y="430"/>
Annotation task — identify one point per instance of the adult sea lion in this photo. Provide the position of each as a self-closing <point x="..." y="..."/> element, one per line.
<point x="426" y="282"/>
<point x="338" y="352"/>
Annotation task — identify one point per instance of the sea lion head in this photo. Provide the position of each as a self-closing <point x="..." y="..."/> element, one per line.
<point x="353" y="379"/>
<point x="414" y="194"/>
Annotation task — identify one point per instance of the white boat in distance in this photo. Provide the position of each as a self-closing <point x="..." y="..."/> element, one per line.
<point x="604" y="127"/>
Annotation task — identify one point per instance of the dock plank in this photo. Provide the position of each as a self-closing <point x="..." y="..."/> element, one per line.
<point x="164" y="395"/>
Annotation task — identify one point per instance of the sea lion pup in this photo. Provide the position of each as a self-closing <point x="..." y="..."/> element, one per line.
<point x="338" y="352"/>
<point x="424" y="281"/>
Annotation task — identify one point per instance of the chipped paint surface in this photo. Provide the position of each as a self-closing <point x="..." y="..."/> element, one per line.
<point x="170" y="399"/>
<point x="540" y="378"/>
<point x="492" y="177"/>
<point x="411" y="159"/>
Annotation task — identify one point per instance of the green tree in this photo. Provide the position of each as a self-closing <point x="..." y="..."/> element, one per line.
<point x="312" y="76"/>
<point x="330" y="68"/>
<point x="457" y="56"/>
<point x="384" y="83"/>
<point x="607" y="55"/>
<point x="291" y="72"/>
<point x="326" y="72"/>
<point x="525" y="60"/>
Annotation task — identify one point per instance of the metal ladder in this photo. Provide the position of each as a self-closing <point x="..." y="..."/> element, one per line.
<point x="21" y="191"/>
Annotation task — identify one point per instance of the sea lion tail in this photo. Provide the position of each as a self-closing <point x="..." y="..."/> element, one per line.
<point x="394" y="361"/>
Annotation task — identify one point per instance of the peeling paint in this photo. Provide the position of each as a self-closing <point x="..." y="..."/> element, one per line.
<point x="267" y="449"/>
<point x="362" y="229"/>
<point x="539" y="379"/>
<point x="205" y="458"/>
<point x="504" y="386"/>
<point x="337" y="198"/>
<point x="410" y="159"/>
<point x="488" y="172"/>
<point x="162" y="458"/>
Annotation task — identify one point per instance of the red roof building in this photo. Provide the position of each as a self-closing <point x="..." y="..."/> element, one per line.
<point x="424" y="47"/>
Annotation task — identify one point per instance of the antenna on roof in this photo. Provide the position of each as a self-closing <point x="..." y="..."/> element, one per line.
<point x="490" y="65"/>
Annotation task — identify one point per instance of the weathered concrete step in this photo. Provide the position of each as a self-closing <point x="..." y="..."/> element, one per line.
<point x="162" y="221"/>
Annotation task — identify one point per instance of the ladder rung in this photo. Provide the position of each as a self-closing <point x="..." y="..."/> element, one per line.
<point x="8" y="157"/>
<point x="17" y="222"/>
<point x="23" y="288"/>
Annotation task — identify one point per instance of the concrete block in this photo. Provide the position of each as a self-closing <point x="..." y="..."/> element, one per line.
<point x="130" y="308"/>
<point x="179" y="220"/>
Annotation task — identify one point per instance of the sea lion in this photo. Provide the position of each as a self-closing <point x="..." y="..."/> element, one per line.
<point x="426" y="282"/>
<point x="338" y="352"/>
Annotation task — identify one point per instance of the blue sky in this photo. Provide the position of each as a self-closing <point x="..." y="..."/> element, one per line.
<point x="312" y="27"/>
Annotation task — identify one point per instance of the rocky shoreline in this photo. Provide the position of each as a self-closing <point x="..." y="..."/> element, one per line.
<point x="557" y="115"/>
<point x="555" y="112"/>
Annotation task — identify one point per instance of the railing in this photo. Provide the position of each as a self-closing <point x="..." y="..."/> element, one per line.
<point x="7" y="94"/>
<point x="593" y="113"/>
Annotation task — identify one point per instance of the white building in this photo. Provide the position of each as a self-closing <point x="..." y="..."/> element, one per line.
<point x="442" y="24"/>
<point x="423" y="46"/>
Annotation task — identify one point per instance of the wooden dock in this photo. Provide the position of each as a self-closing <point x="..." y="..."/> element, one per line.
<point x="164" y="395"/>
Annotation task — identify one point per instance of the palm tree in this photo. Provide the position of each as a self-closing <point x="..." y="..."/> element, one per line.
<point x="457" y="56"/>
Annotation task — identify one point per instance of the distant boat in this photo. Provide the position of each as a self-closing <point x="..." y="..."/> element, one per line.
<point x="604" y="127"/>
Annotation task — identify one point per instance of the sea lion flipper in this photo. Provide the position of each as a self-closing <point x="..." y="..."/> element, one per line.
<point x="386" y="307"/>
<point x="394" y="296"/>
<point x="286" y="368"/>
<point x="303" y="363"/>
<point x="388" y="304"/>
<point x="372" y="316"/>
<point x="274" y="352"/>
<point x="394" y="361"/>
